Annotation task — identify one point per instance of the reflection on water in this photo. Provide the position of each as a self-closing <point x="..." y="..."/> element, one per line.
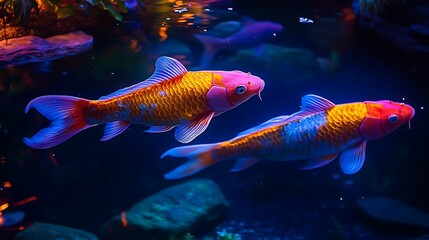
<point x="167" y="14"/>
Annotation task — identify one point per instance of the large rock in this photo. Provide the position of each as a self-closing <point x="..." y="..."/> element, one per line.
<point x="29" y="49"/>
<point x="185" y="208"/>
<point x="388" y="210"/>
<point x="46" y="231"/>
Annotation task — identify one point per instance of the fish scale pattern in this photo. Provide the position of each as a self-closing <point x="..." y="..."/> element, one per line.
<point x="314" y="135"/>
<point x="342" y="124"/>
<point x="261" y="143"/>
<point x="166" y="103"/>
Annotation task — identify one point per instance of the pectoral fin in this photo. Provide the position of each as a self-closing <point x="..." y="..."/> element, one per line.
<point x="188" y="131"/>
<point x="113" y="129"/>
<point x="244" y="163"/>
<point x="352" y="160"/>
<point x="319" y="162"/>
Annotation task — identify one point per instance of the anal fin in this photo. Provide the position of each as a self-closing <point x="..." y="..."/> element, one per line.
<point x="244" y="163"/>
<point x="159" y="129"/>
<point x="319" y="162"/>
<point x="113" y="129"/>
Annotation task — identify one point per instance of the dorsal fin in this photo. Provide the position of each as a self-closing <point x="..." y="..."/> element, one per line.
<point x="264" y="125"/>
<point x="312" y="103"/>
<point x="166" y="68"/>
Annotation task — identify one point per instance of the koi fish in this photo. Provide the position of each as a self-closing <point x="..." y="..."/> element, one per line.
<point x="320" y="132"/>
<point x="10" y="218"/>
<point x="252" y="35"/>
<point x="171" y="97"/>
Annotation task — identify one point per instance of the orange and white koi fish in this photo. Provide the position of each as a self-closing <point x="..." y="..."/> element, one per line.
<point x="320" y="132"/>
<point x="171" y="97"/>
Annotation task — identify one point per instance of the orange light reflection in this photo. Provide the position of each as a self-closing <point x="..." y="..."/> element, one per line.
<point x="163" y="33"/>
<point x="4" y="206"/>
<point x="7" y="184"/>
<point x="25" y="201"/>
<point x="124" y="219"/>
<point x="178" y="14"/>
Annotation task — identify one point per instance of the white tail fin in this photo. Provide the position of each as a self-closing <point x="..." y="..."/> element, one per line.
<point x="65" y="114"/>
<point x="200" y="157"/>
<point x="211" y="46"/>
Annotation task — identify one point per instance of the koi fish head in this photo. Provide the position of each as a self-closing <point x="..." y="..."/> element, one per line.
<point x="231" y="88"/>
<point x="383" y="117"/>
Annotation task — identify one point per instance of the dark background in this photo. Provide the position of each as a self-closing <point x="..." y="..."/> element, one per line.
<point x="95" y="180"/>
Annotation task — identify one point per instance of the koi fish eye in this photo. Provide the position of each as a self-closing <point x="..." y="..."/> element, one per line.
<point x="240" y="89"/>
<point x="393" y="118"/>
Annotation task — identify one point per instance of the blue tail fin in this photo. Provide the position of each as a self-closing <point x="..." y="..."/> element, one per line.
<point x="200" y="157"/>
<point x="65" y="114"/>
<point x="211" y="46"/>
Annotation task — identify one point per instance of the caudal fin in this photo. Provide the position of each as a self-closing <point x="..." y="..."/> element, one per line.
<point x="65" y="114"/>
<point x="211" y="46"/>
<point x="200" y="157"/>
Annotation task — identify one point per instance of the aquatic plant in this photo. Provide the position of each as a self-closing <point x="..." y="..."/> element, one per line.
<point x="18" y="13"/>
<point x="186" y="236"/>
<point x="224" y="235"/>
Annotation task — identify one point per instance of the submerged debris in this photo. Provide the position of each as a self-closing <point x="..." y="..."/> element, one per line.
<point x="30" y="49"/>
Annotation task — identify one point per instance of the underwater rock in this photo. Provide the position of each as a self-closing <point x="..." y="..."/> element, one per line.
<point x="46" y="231"/>
<point x="181" y="209"/>
<point x="31" y="49"/>
<point x="293" y="64"/>
<point x="390" y="210"/>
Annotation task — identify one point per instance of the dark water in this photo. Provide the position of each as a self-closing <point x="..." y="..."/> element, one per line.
<point x="84" y="182"/>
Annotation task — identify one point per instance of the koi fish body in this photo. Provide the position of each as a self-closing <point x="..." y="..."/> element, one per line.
<point x="320" y="132"/>
<point x="171" y="97"/>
